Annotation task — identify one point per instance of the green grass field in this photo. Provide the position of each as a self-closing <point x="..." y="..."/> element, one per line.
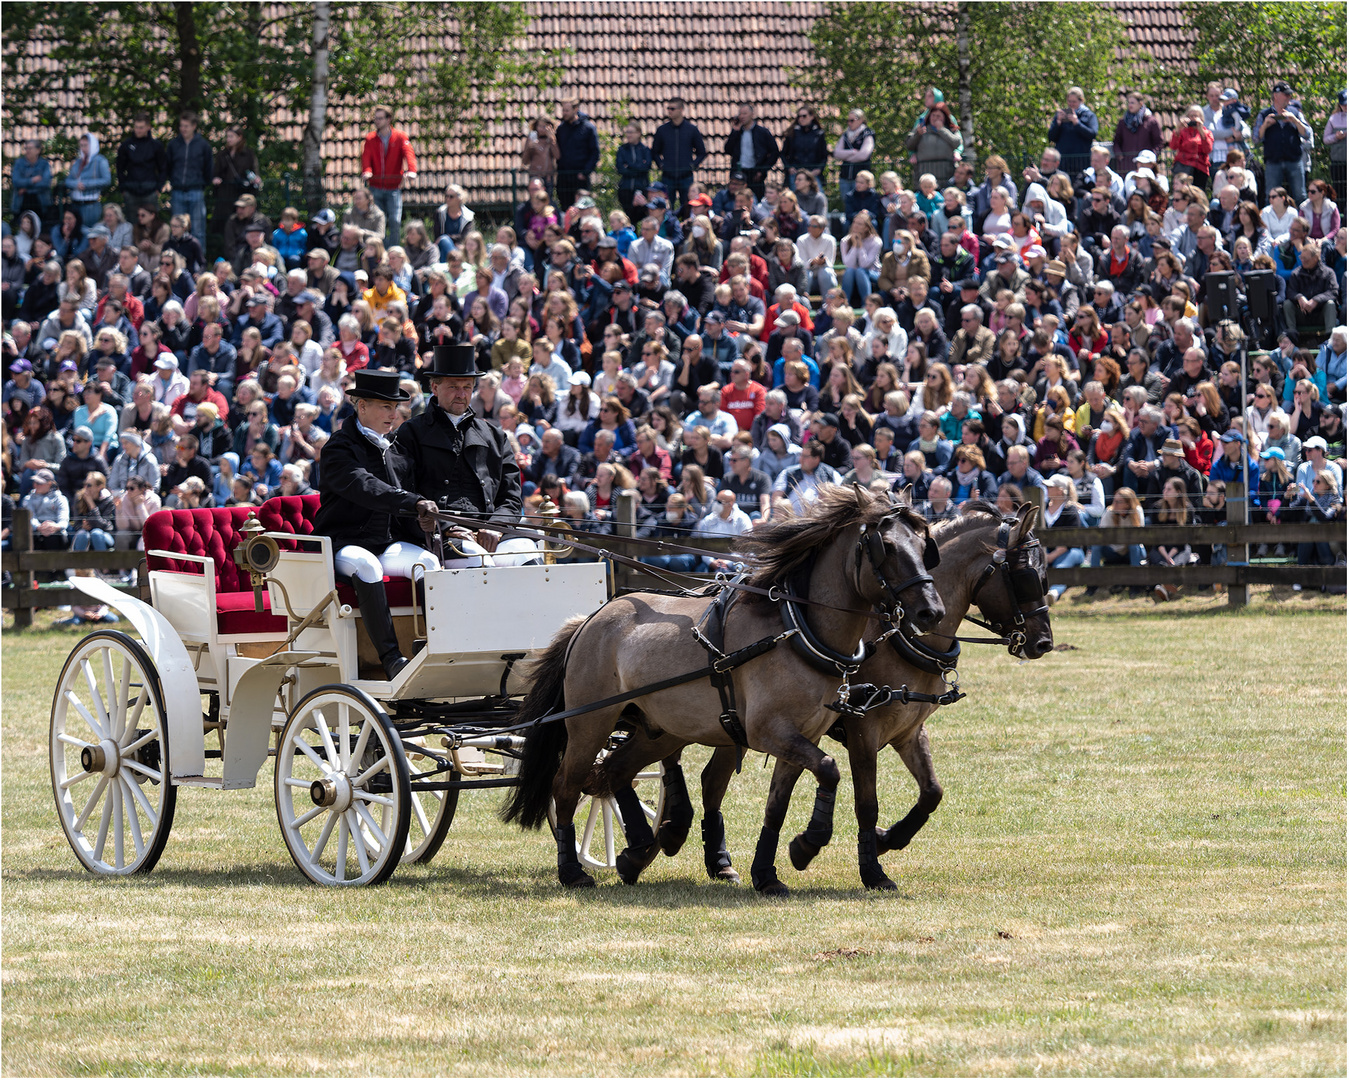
<point x="1139" y="868"/>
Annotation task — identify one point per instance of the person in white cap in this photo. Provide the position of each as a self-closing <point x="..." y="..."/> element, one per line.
<point x="169" y="383"/>
<point x="134" y="460"/>
<point x="1145" y="166"/>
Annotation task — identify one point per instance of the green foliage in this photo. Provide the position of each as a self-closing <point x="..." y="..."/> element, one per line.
<point x="604" y="183"/>
<point x="252" y="61"/>
<point x="1023" y="58"/>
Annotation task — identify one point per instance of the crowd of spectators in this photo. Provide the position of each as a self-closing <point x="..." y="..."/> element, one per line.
<point x="720" y="345"/>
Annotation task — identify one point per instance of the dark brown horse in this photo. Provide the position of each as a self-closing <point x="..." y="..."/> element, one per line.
<point x="986" y="560"/>
<point x="851" y="555"/>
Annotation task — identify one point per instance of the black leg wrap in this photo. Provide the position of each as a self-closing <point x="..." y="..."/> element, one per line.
<point x="378" y="624"/>
<point x="569" y="869"/>
<point x="677" y="813"/>
<point x="635" y="826"/>
<point x="869" y="866"/>
<point x="819" y="831"/>
<point x="763" y="871"/>
<point x="715" y="856"/>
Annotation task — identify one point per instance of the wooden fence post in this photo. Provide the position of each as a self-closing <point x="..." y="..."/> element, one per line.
<point x="625" y="513"/>
<point x="21" y="542"/>
<point x="1238" y="595"/>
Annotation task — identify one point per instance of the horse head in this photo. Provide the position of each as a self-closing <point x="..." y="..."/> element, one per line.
<point x="899" y="549"/>
<point x="1010" y="591"/>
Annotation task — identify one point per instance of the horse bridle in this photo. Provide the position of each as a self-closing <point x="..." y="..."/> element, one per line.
<point x="1025" y="583"/>
<point x="871" y="546"/>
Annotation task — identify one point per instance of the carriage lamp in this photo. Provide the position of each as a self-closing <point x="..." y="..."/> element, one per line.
<point x="257" y="554"/>
<point x="553" y="549"/>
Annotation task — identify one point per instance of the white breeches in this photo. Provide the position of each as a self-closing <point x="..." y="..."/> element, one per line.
<point x="397" y="560"/>
<point x="517" y="551"/>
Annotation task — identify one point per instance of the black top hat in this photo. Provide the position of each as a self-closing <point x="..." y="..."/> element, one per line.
<point x="450" y="361"/>
<point x="378" y="385"/>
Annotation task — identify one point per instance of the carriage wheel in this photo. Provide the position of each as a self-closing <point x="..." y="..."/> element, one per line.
<point x="109" y="756"/>
<point x="432" y="811"/>
<point x="599" y="825"/>
<point x="342" y="794"/>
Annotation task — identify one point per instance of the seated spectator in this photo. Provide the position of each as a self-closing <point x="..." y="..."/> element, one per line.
<point x="133" y="504"/>
<point x="1322" y="502"/>
<point x="1124" y="511"/>
<point x="51" y="518"/>
<point x="93" y="516"/>
<point x="1313" y="292"/>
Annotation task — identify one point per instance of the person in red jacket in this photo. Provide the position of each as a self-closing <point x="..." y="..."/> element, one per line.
<point x="386" y="162"/>
<point x="1193" y="144"/>
<point x="742" y="397"/>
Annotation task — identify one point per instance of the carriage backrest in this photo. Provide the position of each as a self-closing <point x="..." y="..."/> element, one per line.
<point x="213" y="533"/>
<point x="289" y="514"/>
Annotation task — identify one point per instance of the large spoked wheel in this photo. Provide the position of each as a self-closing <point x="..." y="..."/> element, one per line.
<point x="109" y="756"/>
<point x="342" y="794"/>
<point x="432" y="811"/>
<point x="599" y="824"/>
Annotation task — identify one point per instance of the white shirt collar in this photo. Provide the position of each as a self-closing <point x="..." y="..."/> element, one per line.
<point x="374" y="437"/>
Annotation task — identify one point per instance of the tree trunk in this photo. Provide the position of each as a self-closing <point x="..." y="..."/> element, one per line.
<point x="318" y="110"/>
<point x="189" y="59"/>
<point x="963" y="58"/>
<point x="258" y="133"/>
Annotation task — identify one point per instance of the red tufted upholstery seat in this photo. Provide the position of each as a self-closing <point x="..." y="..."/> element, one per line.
<point x="295" y="514"/>
<point x="212" y="533"/>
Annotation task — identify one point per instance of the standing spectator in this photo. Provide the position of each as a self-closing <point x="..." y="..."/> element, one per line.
<point x="934" y="144"/>
<point x="1073" y="131"/>
<point x="633" y="163"/>
<point x="142" y="167"/>
<point x="751" y="148"/>
<point x="804" y="147"/>
<point x="1225" y="116"/>
<point x="31" y="177"/>
<point x="1334" y="135"/>
<point x="854" y="148"/>
<point x="234" y="174"/>
<point x="1282" y="132"/>
<point x="538" y="155"/>
<point x="88" y="176"/>
<point x="1193" y="146"/>
<point x="190" y="164"/>
<point x="245" y="217"/>
<point x="578" y="152"/>
<point x="386" y="161"/>
<point x="1137" y="130"/>
<point x="676" y="150"/>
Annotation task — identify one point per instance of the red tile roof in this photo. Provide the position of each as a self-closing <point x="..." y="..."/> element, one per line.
<point x="628" y="58"/>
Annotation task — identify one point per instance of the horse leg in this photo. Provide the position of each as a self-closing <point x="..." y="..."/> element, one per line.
<point x="795" y="754"/>
<point x="583" y="745"/>
<point x="677" y="810"/>
<point x="617" y="774"/>
<point x="862" y="760"/>
<point x="917" y="755"/>
<point x="819" y="830"/>
<point x="716" y="777"/>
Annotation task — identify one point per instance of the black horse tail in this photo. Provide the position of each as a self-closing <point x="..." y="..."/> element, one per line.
<point x="544" y="744"/>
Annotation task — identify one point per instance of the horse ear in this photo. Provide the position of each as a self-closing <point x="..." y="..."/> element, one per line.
<point x="1026" y="517"/>
<point x="904" y="497"/>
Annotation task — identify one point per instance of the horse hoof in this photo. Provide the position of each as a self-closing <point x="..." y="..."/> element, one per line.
<point x="728" y="875"/>
<point x="671" y="837"/>
<point x="881" y="884"/>
<point x="573" y="877"/>
<point x="774" y="890"/>
<point x="801" y="851"/>
<point x="632" y="861"/>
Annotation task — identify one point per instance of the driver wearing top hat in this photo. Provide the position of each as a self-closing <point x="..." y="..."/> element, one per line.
<point x="369" y="507"/>
<point x="465" y="465"/>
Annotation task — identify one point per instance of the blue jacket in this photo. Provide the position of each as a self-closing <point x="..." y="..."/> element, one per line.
<point x="1074" y="140"/>
<point x="940" y="458"/>
<point x="222" y="363"/>
<point x="190" y="164"/>
<point x="31" y="180"/>
<point x="96" y="176"/>
<point x="578" y="145"/>
<point x="858" y="201"/>
<point x="633" y="162"/>
<point x="291" y="245"/>
<point x="270" y="328"/>
<point x="1335" y="365"/>
<point x="1033" y="478"/>
<point x="677" y="150"/>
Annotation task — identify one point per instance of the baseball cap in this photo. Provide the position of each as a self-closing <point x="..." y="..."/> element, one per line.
<point x="585" y="202"/>
<point x="308" y="296"/>
<point x="1316" y="443"/>
<point x="21" y="365"/>
<point x="324" y="217"/>
<point x="83" y="432"/>
<point x="254" y="226"/>
<point x="714" y="316"/>
<point x="621" y="285"/>
<point x="738" y="175"/>
<point x="786" y="319"/>
<point x="68" y="365"/>
<point x="166" y="362"/>
<point x="100" y="230"/>
<point x="1272" y="452"/>
<point x="257" y="300"/>
<point x="969" y="283"/>
<point x="1173" y="446"/>
<point x="1228" y="95"/>
<point x="829" y="419"/>
<point x="649" y="274"/>
<point x="1282" y="87"/>
<point x="657" y="185"/>
<point x="1145" y="172"/>
<point x="1035" y="251"/>
<point x="579" y="378"/>
<point x="701" y="200"/>
<point x="44" y="476"/>
<point x="245" y="200"/>
<point x="1234" y="436"/>
<point x="1146" y="157"/>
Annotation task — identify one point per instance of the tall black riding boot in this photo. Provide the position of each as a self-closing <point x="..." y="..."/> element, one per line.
<point x="378" y="624"/>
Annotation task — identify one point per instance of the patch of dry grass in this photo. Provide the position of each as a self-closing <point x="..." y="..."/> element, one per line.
<point x="1139" y="868"/>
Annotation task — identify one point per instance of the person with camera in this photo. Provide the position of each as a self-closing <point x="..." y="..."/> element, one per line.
<point x="1284" y="136"/>
<point x="1192" y="143"/>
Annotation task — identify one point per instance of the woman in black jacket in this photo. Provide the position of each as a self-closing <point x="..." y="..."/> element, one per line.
<point x="804" y="146"/>
<point x="92" y="516"/>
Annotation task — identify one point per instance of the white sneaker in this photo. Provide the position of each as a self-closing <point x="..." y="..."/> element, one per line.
<point x="1297" y="588"/>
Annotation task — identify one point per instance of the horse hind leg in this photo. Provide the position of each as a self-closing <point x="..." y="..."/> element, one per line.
<point x="917" y="755"/>
<point x="584" y="743"/>
<point x="715" y="779"/>
<point x="795" y="754"/>
<point x="677" y="810"/>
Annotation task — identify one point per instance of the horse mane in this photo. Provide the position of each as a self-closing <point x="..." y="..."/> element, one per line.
<point x="773" y="551"/>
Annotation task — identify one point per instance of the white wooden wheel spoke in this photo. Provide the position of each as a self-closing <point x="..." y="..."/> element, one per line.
<point x="89" y="806"/>
<point x="308" y="752"/>
<point x="144" y="740"/>
<point x="342" y="829"/>
<point x="123" y="686"/>
<point x="375" y="831"/>
<point x="326" y="737"/>
<point x="358" y="841"/>
<point x="115" y="708"/>
<point x="422" y="819"/>
<point x="144" y="770"/>
<point x="292" y="781"/>
<point x="133" y="721"/>
<point x="66" y="785"/>
<point x="306" y="818"/>
<point x="94" y="725"/>
<point x="343" y="729"/>
<point x="129" y="812"/>
<point x="322" y="841"/>
<point x="103" y="824"/>
<point x="362" y="742"/>
<point x="92" y="680"/>
<point x="70" y="740"/>
<point x="364" y="778"/>
<point x="149" y="811"/>
<point x="383" y="800"/>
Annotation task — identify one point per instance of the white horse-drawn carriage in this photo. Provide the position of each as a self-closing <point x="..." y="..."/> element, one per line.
<point x="249" y="648"/>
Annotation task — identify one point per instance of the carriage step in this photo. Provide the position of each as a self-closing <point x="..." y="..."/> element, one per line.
<point x="217" y="782"/>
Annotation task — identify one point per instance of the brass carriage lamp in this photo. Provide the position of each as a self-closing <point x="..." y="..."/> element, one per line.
<point x="257" y="554"/>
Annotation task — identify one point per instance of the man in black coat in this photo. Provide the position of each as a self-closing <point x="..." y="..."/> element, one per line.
<point x="465" y="465"/>
<point x="370" y="510"/>
<point x="142" y="167"/>
<point x="752" y="149"/>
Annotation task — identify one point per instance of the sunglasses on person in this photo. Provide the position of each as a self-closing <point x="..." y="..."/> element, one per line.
<point x="1261" y="397"/>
